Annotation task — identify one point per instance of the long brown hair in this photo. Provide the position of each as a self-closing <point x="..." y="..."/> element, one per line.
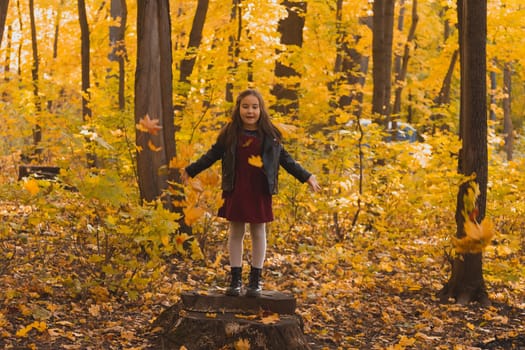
<point x="231" y="131"/>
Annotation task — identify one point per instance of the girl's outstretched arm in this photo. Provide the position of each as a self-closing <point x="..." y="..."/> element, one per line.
<point x="312" y="182"/>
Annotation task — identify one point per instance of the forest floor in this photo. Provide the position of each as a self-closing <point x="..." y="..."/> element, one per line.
<point x="353" y="295"/>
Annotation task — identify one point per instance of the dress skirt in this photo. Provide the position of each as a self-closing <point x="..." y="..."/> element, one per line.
<point x="250" y="201"/>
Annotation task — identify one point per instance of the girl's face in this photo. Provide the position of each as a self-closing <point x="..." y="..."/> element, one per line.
<point x="250" y="112"/>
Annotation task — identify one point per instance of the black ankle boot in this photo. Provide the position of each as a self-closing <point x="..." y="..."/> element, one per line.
<point x="236" y="282"/>
<point x="254" y="286"/>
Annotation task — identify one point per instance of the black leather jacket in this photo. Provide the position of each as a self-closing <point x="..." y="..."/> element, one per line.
<point x="273" y="155"/>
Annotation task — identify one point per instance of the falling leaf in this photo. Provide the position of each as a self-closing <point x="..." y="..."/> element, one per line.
<point x="255" y="161"/>
<point x="152" y="146"/>
<point x="247" y="143"/>
<point x="32" y="186"/>
<point x="192" y="214"/>
<point x="149" y="125"/>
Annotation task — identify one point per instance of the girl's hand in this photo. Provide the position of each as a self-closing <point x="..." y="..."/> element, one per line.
<point x="184" y="176"/>
<point x="312" y="182"/>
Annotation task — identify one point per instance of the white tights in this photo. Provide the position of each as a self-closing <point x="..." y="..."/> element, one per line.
<point x="235" y="243"/>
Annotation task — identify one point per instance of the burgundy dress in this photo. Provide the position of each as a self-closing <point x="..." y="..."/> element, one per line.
<point x="250" y="201"/>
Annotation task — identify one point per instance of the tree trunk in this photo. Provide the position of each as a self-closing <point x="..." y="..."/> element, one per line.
<point x="153" y="98"/>
<point x="37" y="129"/>
<point x="508" y="129"/>
<point x="493" y="99"/>
<point x="383" y="30"/>
<point x="443" y="97"/>
<point x="4" y="5"/>
<point x="187" y="64"/>
<point x="401" y="74"/>
<point x="233" y="48"/>
<point x="466" y="283"/>
<point x="7" y="62"/>
<point x="216" y="321"/>
<point x="118" y="46"/>
<point x="291" y="30"/>
<point x="86" y="84"/>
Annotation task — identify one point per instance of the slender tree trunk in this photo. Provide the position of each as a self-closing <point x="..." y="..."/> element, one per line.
<point x="4" y="5"/>
<point x="291" y="30"/>
<point x="466" y="283"/>
<point x="7" y="62"/>
<point x="493" y="92"/>
<point x="86" y="85"/>
<point x="382" y="56"/>
<point x="37" y="129"/>
<point x="443" y="97"/>
<point x="118" y="46"/>
<point x="403" y="68"/>
<point x="187" y="64"/>
<point x="508" y="129"/>
<point x="233" y="48"/>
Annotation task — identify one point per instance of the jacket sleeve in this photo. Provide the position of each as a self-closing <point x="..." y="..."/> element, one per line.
<point x="211" y="156"/>
<point x="292" y="167"/>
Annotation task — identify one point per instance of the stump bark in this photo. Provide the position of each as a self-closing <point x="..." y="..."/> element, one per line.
<point x="212" y="320"/>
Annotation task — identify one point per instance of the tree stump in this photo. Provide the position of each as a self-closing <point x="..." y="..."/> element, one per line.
<point x="212" y="320"/>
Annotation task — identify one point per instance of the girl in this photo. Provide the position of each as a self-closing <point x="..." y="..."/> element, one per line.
<point x="251" y="151"/>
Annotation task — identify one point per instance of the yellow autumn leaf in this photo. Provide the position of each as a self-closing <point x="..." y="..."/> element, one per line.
<point x="94" y="310"/>
<point x="179" y="241"/>
<point x="246" y="317"/>
<point x="38" y="325"/>
<point x="196" y="252"/>
<point x="192" y="214"/>
<point x="470" y="326"/>
<point x="477" y="237"/>
<point x="31" y="186"/>
<point x="255" y="161"/>
<point x="151" y="126"/>
<point x="285" y="129"/>
<point x="242" y="344"/>
<point x="165" y="240"/>
<point x="482" y="232"/>
<point x="211" y="314"/>
<point x="178" y="163"/>
<point x="405" y="341"/>
<point x="272" y="318"/>
<point x="152" y="146"/>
